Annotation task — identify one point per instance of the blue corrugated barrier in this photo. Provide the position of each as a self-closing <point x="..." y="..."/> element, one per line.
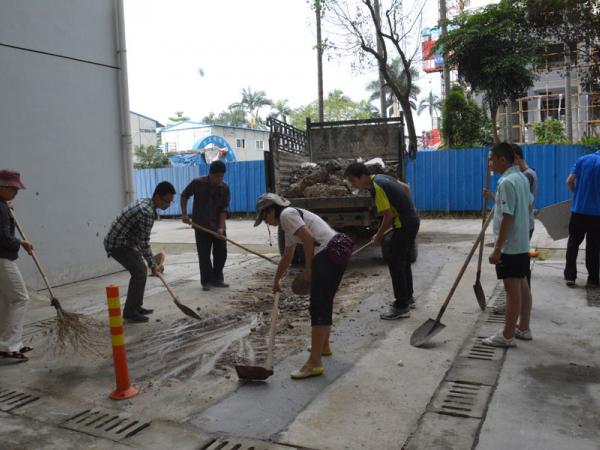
<point x="452" y="180"/>
<point x="246" y="180"/>
<point x="446" y="180"/>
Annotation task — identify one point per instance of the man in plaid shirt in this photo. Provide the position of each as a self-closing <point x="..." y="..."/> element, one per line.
<point x="128" y="240"/>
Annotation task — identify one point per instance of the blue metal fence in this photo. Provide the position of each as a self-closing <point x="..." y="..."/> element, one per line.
<point x="452" y="180"/>
<point x="446" y="180"/>
<point x="246" y="180"/>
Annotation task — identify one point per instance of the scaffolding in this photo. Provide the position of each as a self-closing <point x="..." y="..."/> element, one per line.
<point x="547" y="99"/>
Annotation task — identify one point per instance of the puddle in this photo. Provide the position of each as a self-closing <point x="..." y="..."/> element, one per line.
<point x="566" y="374"/>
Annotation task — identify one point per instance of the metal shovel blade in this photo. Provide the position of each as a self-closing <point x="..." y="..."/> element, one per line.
<point x="479" y="295"/>
<point x="425" y="332"/>
<point x="253" y="372"/>
<point x="187" y="310"/>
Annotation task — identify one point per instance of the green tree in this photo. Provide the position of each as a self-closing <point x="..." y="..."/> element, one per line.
<point x="178" y="117"/>
<point x="337" y="106"/>
<point x="433" y="104"/>
<point x="252" y="102"/>
<point x="281" y="110"/>
<point x="402" y="80"/>
<point x="235" y="117"/>
<point x="493" y="53"/>
<point x="149" y="157"/>
<point x="463" y="121"/>
<point x="550" y="131"/>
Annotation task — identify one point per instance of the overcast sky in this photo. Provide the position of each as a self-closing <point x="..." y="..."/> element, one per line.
<point x="265" y="44"/>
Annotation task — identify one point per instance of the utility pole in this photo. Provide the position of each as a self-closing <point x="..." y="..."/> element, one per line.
<point x="319" y="59"/>
<point x="446" y="72"/>
<point x="382" y="102"/>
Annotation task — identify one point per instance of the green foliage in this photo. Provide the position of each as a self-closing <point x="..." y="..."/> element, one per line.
<point x="433" y="104"/>
<point x="281" y="110"/>
<point x="550" y="131"/>
<point x="336" y="106"/>
<point x="235" y="117"/>
<point x="590" y="141"/>
<point x="252" y="102"/>
<point x="178" y="117"/>
<point x="149" y="157"/>
<point x="493" y="53"/>
<point x="400" y="78"/>
<point x="463" y="121"/>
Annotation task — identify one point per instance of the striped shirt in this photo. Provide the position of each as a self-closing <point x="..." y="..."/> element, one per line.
<point x="131" y="229"/>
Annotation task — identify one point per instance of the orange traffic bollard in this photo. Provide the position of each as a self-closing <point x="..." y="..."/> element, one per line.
<point x="124" y="388"/>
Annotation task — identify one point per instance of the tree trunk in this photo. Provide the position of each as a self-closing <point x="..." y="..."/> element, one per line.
<point x="319" y="59"/>
<point x="494" y="117"/>
<point x="410" y="126"/>
<point x="382" y="99"/>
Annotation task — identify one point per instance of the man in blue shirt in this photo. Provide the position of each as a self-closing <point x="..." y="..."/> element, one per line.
<point x="584" y="182"/>
<point x="511" y="249"/>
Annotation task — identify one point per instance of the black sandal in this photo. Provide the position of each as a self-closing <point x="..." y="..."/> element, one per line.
<point x="25" y="349"/>
<point x="14" y="355"/>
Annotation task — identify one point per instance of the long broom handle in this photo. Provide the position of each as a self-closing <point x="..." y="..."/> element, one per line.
<point x="368" y="244"/>
<point x="225" y="238"/>
<point x="464" y="267"/>
<point x="274" y="315"/>
<point x="161" y="278"/>
<point x="33" y="255"/>
<point x="483" y="212"/>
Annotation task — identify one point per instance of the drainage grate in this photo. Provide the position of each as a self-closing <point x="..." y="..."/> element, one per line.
<point x="105" y="423"/>
<point x="476" y="350"/>
<point x="494" y="317"/>
<point x="236" y="444"/>
<point x="11" y="399"/>
<point x="461" y="399"/>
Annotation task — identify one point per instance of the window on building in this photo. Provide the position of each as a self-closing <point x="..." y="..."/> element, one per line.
<point x="260" y="145"/>
<point x="240" y="143"/>
<point x="552" y="106"/>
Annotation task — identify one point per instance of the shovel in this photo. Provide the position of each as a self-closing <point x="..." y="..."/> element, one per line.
<point x="184" y="309"/>
<point x="479" y="294"/>
<point x="220" y="236"/>
<point x="432" y="327"/>
<point x="258" y="372"/>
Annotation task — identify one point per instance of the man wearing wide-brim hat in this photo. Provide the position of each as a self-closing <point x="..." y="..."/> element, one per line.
<point x="13" y="293"/>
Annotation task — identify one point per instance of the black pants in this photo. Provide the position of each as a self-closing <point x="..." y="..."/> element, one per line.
<point x="326" y="278"/>
<point x="134" y="264"/>
<point x="580" y="226"/>
<point x="403" y="241"/>
<point x="210" y="272"/>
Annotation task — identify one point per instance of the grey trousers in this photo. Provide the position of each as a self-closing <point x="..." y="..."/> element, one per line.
<point x="134" y="264"/>
<point x="13" y="303"/>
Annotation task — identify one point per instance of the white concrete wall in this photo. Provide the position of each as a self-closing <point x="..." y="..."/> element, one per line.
<point x="60" y="128"/>
<point x="143" y="130"/>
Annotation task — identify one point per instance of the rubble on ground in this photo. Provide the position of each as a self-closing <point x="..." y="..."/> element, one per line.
<point x="326" y="179"/>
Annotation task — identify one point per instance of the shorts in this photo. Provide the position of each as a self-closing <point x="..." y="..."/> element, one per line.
<point x="326" y="278"/>
<point x="513" y="266"/>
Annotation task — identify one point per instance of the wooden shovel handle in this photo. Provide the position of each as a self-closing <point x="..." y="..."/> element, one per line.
<point x="161" y="278"/>
<point x="225" y="238"/>
<point x="464" y="267"/>
<point x="33" y="255"/>
<point x="273" y="330"/>
<point x="368" y="244"/>
<point x="483" y="212"/>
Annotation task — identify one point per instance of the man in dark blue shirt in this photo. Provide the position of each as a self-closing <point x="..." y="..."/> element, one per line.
<point x="584" y="182"/>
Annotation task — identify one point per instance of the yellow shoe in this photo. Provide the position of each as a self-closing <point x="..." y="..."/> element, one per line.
<point x="299" y="375"/>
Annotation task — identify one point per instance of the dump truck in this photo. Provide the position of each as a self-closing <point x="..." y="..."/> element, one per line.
<point x="348" y="140"/>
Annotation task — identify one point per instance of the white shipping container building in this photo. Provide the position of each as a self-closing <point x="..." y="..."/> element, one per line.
<point x="63" y="116"/>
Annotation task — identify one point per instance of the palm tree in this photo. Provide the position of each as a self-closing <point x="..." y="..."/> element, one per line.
<point x="402" y="79"/>
<point x="281" y="110"/>
<point x="251" y="103"/>
<point x="433" y="103"/>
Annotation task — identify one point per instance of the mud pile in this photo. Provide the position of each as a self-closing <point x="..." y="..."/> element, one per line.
<point x="326" y="179"/>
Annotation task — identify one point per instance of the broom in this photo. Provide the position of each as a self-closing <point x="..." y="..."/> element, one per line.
<point x="69" y="330"/>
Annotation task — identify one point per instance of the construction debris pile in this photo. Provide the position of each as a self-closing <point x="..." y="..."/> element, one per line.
<point x="326" y="179"/>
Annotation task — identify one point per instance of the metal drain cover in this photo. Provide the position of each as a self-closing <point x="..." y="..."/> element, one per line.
<point x="461" y="399"/>
<point x="104" y="423"/>
<point x="476" y="350"/>
<point x="236" y="444"/>
<point x="11" y="399"/>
